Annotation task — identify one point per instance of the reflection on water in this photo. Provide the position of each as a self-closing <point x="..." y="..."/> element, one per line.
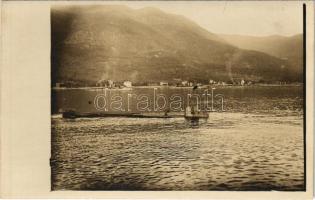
<point x="229" y="151"/>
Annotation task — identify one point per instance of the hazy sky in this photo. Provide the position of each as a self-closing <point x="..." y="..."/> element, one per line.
<point x="245" y="18"/>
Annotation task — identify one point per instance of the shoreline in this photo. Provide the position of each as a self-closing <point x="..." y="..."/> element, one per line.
<point x="178" y="87"/>
<point x="274" y="113"/>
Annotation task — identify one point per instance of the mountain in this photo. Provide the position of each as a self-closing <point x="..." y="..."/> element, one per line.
<point x="91" y="43"/>
<point x="288" y="48"/>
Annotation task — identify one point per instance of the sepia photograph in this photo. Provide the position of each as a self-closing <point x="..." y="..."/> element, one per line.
<point x="178" y="96"/>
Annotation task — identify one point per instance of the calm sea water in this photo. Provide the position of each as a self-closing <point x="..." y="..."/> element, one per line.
<point x="256" y="144"/>
<point x="236" y="99"/>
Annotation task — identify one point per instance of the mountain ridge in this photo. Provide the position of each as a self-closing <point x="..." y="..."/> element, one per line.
<point x="285" y="47"/>
<point x="90" y="43"/>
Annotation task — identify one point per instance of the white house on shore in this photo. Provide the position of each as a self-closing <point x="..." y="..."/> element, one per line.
<point x="163" y="83"/>
<point x="184" y="83"/>
<point x="127" y="83"/>
<point x="242" y="82"/>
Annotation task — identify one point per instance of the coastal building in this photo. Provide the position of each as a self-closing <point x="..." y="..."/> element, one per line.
<point x="110" y="84"/>
<point x="242" y="82"/>
<point x="184" y="83"/>
<point x="163" y="83"/>
<point x="105" y="83"/>
<point x="127" y="83"/>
